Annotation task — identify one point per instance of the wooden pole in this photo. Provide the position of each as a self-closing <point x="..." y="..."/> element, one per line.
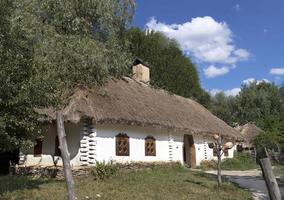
<point x="219" y="175"/>
<point x="219" y="155"/>
<point x="270" y="180"/>
<point x="65" y="156"/>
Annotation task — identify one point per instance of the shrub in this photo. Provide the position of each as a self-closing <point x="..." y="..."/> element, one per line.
<point x="103" y="170"/>
<point x="208" y="164"/>
<point x="241" y="161"/>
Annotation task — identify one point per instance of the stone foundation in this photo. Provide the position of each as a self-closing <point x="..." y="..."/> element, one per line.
<point x="84" y="171"/>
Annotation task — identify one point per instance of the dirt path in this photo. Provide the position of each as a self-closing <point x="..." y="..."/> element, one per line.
<point x="252" y="180"/>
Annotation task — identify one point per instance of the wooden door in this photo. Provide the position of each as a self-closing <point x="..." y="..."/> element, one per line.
<point x="189" y="151"/>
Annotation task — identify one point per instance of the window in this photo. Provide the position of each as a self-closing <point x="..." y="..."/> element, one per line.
<point x="150" y="146"/>
<point x="57" y="151"/>
<point x="38" y="148"/>
<point x="226" y="152"/>
<point x="215" y="152"/>
<point x="122" y="145"/>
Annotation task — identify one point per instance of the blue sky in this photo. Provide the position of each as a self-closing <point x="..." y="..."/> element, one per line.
<point x="230" y="41"/>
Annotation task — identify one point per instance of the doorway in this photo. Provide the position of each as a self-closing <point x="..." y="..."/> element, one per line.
<point x="189" y="153"/>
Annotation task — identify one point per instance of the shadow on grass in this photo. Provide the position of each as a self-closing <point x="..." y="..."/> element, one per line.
<point x="12" y="183"/>
<point x="195" y="182"/>
<point x="225" y="179"/>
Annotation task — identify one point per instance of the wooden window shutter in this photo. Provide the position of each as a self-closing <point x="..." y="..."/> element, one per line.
<point x="215" y="152"/>
<point x="226" y="153"/>
<point x="57" y="151"/>
<point x="122" y="144"/>
<point x="38" y="148"/>
<point x="150" y="146"/>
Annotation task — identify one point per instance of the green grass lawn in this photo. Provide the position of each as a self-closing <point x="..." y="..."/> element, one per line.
<point x="159" y="183"/>
<point x="279" y="172"/>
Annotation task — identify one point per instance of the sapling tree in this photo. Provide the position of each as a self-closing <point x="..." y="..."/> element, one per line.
<point x="220" y="146"/>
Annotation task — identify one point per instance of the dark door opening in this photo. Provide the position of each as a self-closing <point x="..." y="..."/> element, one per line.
<point x="189" y="154"/>
<point x="7" y="159"/>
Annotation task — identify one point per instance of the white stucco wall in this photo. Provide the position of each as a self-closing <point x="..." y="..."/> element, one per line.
<point x="106" y="144"/>
<point x="86" y="145"/>
<point x="48" y="146"/>
<point x="203" y="152"/>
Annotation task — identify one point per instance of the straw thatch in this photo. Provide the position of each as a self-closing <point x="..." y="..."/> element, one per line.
<point x="126" y="101"/>
<point x="249" y="131"/>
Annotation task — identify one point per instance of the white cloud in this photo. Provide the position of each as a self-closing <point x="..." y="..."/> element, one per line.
<point x="277" y="71"/>
<point x="213" y="71"/>
<point x="208" y="40"/>
<point x="213" y="92"/>
<point x="242" y="54"/>
<point x="252" y="80"/>
<point x="232" y="92"/>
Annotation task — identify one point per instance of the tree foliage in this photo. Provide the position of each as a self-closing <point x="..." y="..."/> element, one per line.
<point x="170" y="69"/>
<point x="224" y="107"/>
<point x="17" y="119"/>
<point x="48" y="47"/>
<point x="260" y="103"/>
<point x="75" y="41"/>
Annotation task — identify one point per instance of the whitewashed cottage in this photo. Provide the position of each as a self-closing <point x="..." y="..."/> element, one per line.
<point x="128" y="120"/>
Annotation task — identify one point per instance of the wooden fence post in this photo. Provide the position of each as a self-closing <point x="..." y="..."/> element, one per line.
<point x="65" y="156"/>
<point x="270" y="180"/>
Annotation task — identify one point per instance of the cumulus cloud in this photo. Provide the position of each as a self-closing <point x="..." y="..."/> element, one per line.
<point x="231" y="92"/>
<point x="277" y="71"/>
<point x="212" y="71"/>
<point x="242" y="54"/>
<point x="252" y="80"/>
<point x="207" y="40"/>
<point x="213" y="92"/>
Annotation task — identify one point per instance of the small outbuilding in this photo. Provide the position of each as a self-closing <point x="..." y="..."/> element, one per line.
<point x="249" y="132"/>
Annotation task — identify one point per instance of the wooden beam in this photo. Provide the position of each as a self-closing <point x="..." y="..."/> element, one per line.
<point x="65" y="156"/>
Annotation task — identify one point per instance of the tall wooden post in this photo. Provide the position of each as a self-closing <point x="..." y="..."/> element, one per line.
<point x="270" y="180"/>
<point x="219" y="155"/>
<point x="65" y="156"/>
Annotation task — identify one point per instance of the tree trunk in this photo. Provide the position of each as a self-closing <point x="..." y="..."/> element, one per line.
<point x="270" y="180"/>
<point x="219" y="169"/>
<point x="65" y="156"/>
<point x="219" y="155"/>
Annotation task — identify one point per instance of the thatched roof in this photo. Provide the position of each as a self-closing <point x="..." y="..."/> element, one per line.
<point x="249" y="131"/>
<point x="126" y="101"/>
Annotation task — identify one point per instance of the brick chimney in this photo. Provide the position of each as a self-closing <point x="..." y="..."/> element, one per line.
<point x="141" y="71"/>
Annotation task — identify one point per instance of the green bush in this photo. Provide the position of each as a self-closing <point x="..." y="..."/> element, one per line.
<point x="241" y="161"/>
<point x="104" y="170"/>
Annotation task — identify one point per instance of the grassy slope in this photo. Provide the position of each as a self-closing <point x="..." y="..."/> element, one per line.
<point x="155" y="184"/>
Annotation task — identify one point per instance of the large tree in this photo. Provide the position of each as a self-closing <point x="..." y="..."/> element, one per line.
<point x="17" y="119"/>
<point x="224" y="107"/>
<point x="170" y="68"/>
<point x="48" y="47"/>
<point x="262" y="104"/>
<point x="76" y="41"/>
